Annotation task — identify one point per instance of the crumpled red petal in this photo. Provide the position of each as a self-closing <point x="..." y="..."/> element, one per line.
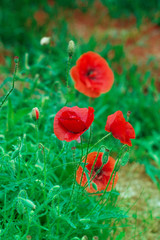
<point x="120" y="128"/>
<point x="71" y="123"/>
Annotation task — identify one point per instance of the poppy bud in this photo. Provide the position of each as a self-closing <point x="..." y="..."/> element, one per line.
<point x="45" y="40"/>
<point x="16" y="59"/>
<point x="128" y="114"/>
<point x="28" y="237"/>
<point x="35" y="113"/>
<point x="125" y="159"/>
<point x="84" y="238"/>
<point x="71" y="48"/>
<point x="73" y="148"/>
<point x="95" y="238"/>
<point x="27" y="202"/>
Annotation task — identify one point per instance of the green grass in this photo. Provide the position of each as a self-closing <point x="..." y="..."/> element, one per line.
<point x="36" y="169"/>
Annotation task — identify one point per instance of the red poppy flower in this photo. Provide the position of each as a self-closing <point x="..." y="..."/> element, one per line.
<point x="122" y="130"/>
<point x="101" y="177"/>
<point x="92" y="75"/>
<point x="71" y="122"/>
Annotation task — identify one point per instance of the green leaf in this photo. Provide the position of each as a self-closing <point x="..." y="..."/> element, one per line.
<point x="125" y="159"/>
<point x="94" y="186"/>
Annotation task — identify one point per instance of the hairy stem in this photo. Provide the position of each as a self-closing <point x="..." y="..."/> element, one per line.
<point x="10" y="91"/>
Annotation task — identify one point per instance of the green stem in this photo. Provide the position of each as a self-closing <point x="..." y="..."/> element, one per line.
<point x="67" y="78"/>
<point x="104" y="190"/>
<point x="86" y="184"/>
<point x="19" y="160"/>
<point x="109" y="193"/>
<point x="10" y="220"/>
<point x="115" y="166"/>
<point x="74" y="183"/>
<point x="45" y="172"/>
<point x="58" y="220"/>
<point x="9" y="92"/>
<point x="68" y="67"/>
<point x="85" y="156"/>
<point x="99" y="141"/>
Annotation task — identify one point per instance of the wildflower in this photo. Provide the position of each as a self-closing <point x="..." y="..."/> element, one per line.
<point x="92" y="75"/>
<point x="71" y="122"/>
<point x="71" y="48"/>
<point x="120" y="128"/>
<point x="100" y="174"/>
<point x="16" y="59"/>
<point x="45" y="40"/>
<point x="35" y="113"/>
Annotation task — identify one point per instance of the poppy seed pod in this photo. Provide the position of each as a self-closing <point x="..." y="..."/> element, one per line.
<point x="128" y="115"/>
<point x="16" y="59"/>
<point x="35" y="113"/>
<point x="71" y="48"/>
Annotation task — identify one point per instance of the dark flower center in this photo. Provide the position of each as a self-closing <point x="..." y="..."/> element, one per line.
<point x="91" y="74"/>
<point x="98" y="173"/>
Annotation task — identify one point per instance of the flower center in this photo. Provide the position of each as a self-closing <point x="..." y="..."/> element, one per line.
<point x="91" y="74"/>
<point x="97" y="173"/>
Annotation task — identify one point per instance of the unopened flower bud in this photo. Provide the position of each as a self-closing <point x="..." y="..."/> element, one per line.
<point x="128" y="114"/>
<point x="71" y="48"/>
<point x="84" y="238"/>
<point x="35" y="113"/>
<point x="16" y="59"/>
<point x="28" y="237"/>
<point x="106" y="150"/>
<point x="95" y="238"/>
<point x="73" y="148"/>
<point x="45" y="40"/>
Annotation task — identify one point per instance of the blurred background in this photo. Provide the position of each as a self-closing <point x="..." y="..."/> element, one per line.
<point x="127" y="34"/>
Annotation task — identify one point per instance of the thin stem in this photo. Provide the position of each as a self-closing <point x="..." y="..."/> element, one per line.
<point x="19" y="160"/>
<point x="10" y="220"/>
<point x="109" y="193"/>
<point x="58" y="220"/>
<point x="104" y="190"/>
<point x="9" y="92"/>
<point x="68" y="67"/>
<point x="106" y="136"/>
<point x="45" y="172"/>
<point x="74" y="183"/>
<point x="91" y="178"/>
<point x="37" y="134"/>
<point x="115" y="166"/>
<point x="67" y="78"/>
<point x="85" y="156"/>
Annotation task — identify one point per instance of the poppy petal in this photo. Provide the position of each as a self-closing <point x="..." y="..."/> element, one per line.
<point x="71" y="123"/>
<point x="100" y="178"/>
<point x="120" y="128"/>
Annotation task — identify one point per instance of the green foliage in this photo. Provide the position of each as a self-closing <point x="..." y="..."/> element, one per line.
<point x="37" y="180"/>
